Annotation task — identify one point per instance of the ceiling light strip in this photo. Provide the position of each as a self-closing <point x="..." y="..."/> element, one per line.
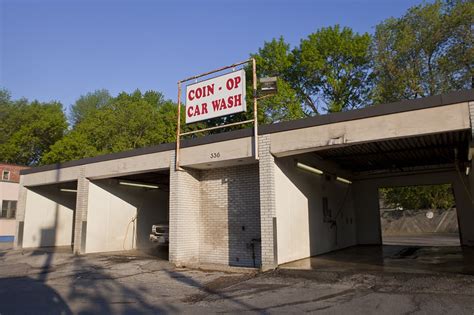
<point x="135" y="184"/>
<point x="343" y="180"/>
<point x="309" y="168"/>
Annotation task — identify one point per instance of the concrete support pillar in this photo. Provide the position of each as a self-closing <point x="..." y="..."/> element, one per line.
<point x="20" y="215"/>
<point x="465" y="209"/>
<point x="80" y="217"/>
<point x="464" y="193"/>
<point x="185" y="203"/>
<point x="268" y="221"/>
<point x="366" y="197"/>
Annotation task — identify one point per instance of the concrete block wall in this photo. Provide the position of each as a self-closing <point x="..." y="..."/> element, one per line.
<point x="184" y="215"/>
<point x="80" y="218"/>
<point x="267" y="204"/>
<point x="20" y="215"/>
<point x="230" y="216"/>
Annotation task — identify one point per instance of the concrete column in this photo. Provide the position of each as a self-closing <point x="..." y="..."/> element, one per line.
<point x="185" y="203"/>
<point x="268" y="226"/>
<point x="464" y="193"/>
<point x="80" y="217"/>
<point x="366" y="197"/>
<point x="20" y="215"/>
<point x="465" y="208"/>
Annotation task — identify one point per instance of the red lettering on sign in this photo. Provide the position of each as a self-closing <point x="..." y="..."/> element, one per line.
<point x="210" y="89"/>
<point x="197" y="110"/>
<point x="190" y="111"/>
<point x="233" y="83"/>
<point x="198" y="93"/>
<point x="235" y="100"/>
<point x="201" y="92"/>
<point x="238" y="99"/>
<point x="191" y="97"/>
<point x="237" y="81"/>
<point x="204" y="108"/>
<point x="223" y="105"/>
<point x="229" y="84"/>
<point x="215" y="105"/>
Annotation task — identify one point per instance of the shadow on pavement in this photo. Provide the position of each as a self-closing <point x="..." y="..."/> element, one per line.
<point x="99" y="293"/>
<point x="29" y="296"/>
<point x="91" y="290"/>
<point x="208" y="290"/>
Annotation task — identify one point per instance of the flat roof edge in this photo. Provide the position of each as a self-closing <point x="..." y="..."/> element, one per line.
<point x="372" y="111"/>
<point x="186" y="143"/>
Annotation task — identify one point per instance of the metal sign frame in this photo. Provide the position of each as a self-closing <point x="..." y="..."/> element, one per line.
<point x="179" y="134"/>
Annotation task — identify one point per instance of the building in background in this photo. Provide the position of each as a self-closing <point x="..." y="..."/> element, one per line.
<point x="9" y="185"/>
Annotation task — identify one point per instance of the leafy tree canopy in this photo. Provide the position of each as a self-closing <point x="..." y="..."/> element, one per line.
<point x="86" y="104"/>
<point x="427" y="51"/>
<point x="125" y="122"/>
<point x="28" y="129"/>
<point x="330" y="71"/>
<point x="420" y="197"/>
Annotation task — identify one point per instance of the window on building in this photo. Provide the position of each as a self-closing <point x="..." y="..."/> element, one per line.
<point x="6" y="175"/>
<point x="8" y="209"/>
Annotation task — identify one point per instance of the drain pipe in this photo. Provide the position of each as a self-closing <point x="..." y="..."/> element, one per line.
<point x="252" y="244"/>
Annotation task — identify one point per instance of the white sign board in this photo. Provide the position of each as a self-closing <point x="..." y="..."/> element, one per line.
<point x="216" y="97"/>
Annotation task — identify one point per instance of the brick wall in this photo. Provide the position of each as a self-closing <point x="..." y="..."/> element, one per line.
<point x="80" y="217"/>
<point x="230" y="216"/>
<point x="184" y="215"/>
<point x="14" y="171"/>
<point x="20" y="215"/>
<point x="267" y="203"/>
<point x="214" y="216"/>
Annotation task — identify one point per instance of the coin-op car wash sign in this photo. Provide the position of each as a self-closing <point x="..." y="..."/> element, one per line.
<point x="220" y="96"/>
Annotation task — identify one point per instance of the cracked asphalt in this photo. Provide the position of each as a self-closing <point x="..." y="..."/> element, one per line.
<point x="41" y="282"/>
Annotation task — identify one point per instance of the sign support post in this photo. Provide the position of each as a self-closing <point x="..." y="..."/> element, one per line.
<point x="178" y="128"/>
<point x="179" y="134"/>
<point x="255" y="113"/>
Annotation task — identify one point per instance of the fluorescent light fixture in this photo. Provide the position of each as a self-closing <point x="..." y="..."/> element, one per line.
<point x="309" y="168"/>
<point x="343" y="180"/>
<point x="468" y="169"/>
<point x="135" y="184"/>
<point x="68" y="190"/>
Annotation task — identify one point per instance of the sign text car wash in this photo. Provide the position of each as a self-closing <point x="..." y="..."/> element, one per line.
<point x="216" y="97"/>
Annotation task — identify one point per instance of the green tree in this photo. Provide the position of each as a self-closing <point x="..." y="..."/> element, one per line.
<point x="330" y="71"/>
<point x="126" y="122"/>
<point x="420" y="197"/>
<point x="275" y="59"/>
<point x="427" y="51"/>
<point x="87" y="104"/>
<point x="28" y="129"/>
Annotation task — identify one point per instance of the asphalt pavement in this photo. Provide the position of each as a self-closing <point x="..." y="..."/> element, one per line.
<point x="57" y="282"/>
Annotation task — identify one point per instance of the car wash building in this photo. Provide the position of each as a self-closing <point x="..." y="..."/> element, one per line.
<point x="312" y="190"/>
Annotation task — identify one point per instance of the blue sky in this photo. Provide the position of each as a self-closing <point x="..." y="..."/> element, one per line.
<point x="61" y="49"/>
